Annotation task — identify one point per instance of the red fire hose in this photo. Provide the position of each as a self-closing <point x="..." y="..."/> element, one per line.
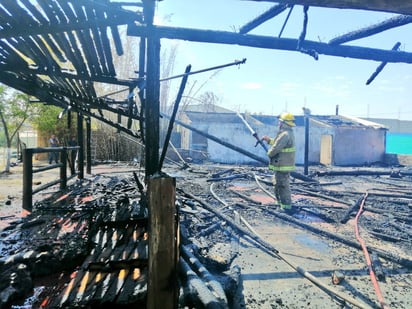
<point x="367" y="257"/>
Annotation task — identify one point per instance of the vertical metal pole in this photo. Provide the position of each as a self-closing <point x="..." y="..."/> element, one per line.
<point x="88" y="146"/>
<point x="306" y="144"/>
<point x="81" y="144"/>
<point x="27" y="179"/>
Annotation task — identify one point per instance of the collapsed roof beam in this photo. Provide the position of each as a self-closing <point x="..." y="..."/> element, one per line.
<point x="393" y="6"/>
<point x="390" y="23"/>
<point x="44" y="95"/>
<point x="62" y="28"/>
<point x="381" y="66"/>
<point x="272" y="12"/>
<point x="267" y="42"/>
<point x="79" y="77"/>
<point x="36" y="87"/>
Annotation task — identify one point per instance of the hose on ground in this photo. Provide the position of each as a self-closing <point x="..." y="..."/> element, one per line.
<point x="367" y="256"/>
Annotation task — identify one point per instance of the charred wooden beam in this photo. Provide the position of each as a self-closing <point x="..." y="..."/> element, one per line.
<point x="394" y="6"/>
<point x="231" y="177"/>
<point x="272" y="12"/>
<point x="205" y="275"/>
<point x="352" y="210"/>
<point x="173" y="117"/>
<point x="377" y="267"/>
<point x="196" y="287"/>
<point x="55" y="26"/>
<point x="381" y="66"/>
<point x="353" y="173"/>
<point x="302" y="36"/>
<point x="246" y="197"/>
<point x="390" y="23"/>
<point x="152" y="110"/>
<point x="267" y="42"/>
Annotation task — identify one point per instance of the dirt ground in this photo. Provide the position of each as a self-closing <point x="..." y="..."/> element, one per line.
<point x="297" y="273"/>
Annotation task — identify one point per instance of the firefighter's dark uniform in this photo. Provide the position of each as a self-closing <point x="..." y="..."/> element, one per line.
<point x="282" y="161"/>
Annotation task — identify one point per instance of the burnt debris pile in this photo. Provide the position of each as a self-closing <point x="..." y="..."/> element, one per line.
<point x="88" y="246"/>
<point x="95" y="233"/>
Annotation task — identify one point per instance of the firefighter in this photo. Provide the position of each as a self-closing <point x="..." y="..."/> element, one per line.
<point x="282" y="160"/>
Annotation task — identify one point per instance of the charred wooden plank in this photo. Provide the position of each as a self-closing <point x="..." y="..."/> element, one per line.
<point x="228" y="177"/>
<point x="246" y="197"/>
<point x="352" y="210"/>
<point x="87" y="41"/>
<point x="134" y="288"/>
<point x="377" y="267"/>
<point x="220" y="173"/>
<point x="102" y="61"/>
<point x="385" y="236"/>
<point x="116" y="286"/>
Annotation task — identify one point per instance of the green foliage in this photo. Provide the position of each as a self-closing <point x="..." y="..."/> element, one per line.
<point x="14" y="111"/>
<point x="47" y="122"/>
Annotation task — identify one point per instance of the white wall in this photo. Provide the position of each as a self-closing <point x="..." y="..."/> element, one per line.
<point x="358" y="146"/>
<point x="239" y="136"/>
<point x="350" y="145"/>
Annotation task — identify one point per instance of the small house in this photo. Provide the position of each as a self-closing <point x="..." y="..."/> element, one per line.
<point x="333" y="140"/>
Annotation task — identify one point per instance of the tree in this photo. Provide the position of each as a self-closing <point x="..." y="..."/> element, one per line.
<point x="47" y="122"/>
<point x="210" y="100"/>
<point x="14" y="111"/>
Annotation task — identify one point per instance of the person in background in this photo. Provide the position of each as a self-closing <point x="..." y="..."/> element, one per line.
<point x="73" y="155"/>
<point x="53" y="142"/>
<point x="282" y="160"/>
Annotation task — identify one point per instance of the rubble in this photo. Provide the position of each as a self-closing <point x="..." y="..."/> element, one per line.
<point x="91" y="242"/>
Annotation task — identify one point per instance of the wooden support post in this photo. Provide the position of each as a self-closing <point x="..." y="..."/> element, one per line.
<point x="88" y="146"/>
<point x="152" y="112"/>
<point x="163" y="243"/>
<point x="81" y="144"/>
<point x="306" y="160"/>
<point x="27" y="179"/>
<point x="63" y="168"/>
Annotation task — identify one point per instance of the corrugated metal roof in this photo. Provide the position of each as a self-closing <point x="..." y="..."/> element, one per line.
<point x="213" y="117"/>
<point x="326" y="120"/>
<point x="345" y="121"/>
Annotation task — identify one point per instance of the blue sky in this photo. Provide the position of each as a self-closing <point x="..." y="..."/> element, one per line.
<point x="272" y="81"/>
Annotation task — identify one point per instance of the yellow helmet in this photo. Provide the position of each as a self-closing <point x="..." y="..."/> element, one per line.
<point x="287" y="118"/>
